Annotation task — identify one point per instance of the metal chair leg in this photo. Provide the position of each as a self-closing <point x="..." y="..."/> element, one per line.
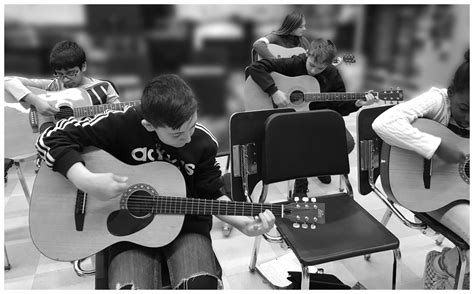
<point x="396" y="269"/>
<point x="256" y="247"/>
<point x="7" y="265"/>
<point x="22" y="179"/>
<point x="305" y="277"/>
<point x="439" y="240"/>
<point x="460" y="269"/>
<point x="80" y="271"/>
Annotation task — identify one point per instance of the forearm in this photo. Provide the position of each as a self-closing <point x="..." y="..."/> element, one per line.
<point x="260" y="73"/>
<point x="261" y="46"/>
<point x="18" y="86"/>
<point x="237" y="221"/>
<point x="396" y="129"/>
<point x="78" y="174"/>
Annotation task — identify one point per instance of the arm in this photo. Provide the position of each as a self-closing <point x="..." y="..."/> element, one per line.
<point x="261" y="46"/>
<point x="18" y="88"/>
<point x="247" y="225"/>
<point x="61" y="145"/>
<point x="394" y="126"/>
<point x="260" y="73"/>
<point x="112" y="95"/>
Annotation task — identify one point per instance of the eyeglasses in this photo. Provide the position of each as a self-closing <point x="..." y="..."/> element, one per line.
<point x="70" y="74"/>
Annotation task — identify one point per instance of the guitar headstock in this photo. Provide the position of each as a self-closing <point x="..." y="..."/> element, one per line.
<point x="305" y="214"/>
<point x="392" y="96"/>
<point x="347" y="58"/>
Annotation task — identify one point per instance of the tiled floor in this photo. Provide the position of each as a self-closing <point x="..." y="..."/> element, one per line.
<point x="30" y="270"/>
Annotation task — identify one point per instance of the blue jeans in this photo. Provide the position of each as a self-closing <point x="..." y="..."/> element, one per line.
<point x="188" y="262"/>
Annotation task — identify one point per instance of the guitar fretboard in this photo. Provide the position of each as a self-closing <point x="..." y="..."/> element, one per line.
<point x="182" y="205"/>
<point x="95" y="109"/>
<point x="335" y="96"/>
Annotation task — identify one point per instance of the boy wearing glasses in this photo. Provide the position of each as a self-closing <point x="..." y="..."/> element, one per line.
<point x="68" y="61"/>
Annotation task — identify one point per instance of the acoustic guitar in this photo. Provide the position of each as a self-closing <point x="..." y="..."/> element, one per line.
<point x="425" y="185"/>
<point x="23" y="125"/>
<point x="66" y="224"/>
<point x="301" y="91"/>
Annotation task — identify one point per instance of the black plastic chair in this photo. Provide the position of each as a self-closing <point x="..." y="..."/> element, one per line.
<point x="308" y="144"/>
<point x="369" y="148"/>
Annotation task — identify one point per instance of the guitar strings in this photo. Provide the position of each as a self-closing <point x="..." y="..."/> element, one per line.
<point x="169" y="203"/>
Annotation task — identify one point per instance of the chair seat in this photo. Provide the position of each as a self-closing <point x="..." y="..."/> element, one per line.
<point x="362" y="233"/>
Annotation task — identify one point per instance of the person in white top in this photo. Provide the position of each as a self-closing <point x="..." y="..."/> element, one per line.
<point x="449" y="107"/>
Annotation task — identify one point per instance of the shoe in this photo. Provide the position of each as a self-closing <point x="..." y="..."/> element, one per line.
<point x="301" y="188"/>
<point x="434" y="278"/>
<point x="325" y="179"/>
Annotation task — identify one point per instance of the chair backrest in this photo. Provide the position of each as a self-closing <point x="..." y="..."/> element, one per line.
<point x="365" y="137"/>
<point x="304" y="144"/>
<point x="247" y="130"/>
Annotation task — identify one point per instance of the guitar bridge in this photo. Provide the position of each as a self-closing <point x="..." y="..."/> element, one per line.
<point x="80" y="210"/>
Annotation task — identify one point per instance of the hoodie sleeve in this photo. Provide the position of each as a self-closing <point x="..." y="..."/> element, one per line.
<point x="260" y="71"/>
<point x="61" y="145"/>
<point x="208" y="173"/>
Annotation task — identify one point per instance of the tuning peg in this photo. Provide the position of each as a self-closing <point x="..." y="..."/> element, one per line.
<point x="305" y="199"/>
<point x="313" y="199"/>
<point x="313" y="226"/>
<point x="296" y="225"/>
<point x="296" y="199"/>
<point x="304" y="225"/>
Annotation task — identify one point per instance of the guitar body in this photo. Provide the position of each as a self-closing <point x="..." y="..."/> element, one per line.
<point x="401" y="173"/>
<point x="283" y="52"/>
<point x="256" y="99"/>
<point x="71" y="98"/>
<point x="52" y="210"/>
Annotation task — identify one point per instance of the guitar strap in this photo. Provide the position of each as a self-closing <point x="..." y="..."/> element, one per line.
<point x="98" y="93"/>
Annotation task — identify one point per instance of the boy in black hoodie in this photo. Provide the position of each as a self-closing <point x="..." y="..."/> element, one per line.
<point x="163" y="127"/>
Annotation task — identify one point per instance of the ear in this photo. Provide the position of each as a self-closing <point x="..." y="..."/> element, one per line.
<point x="84" y="67"/>
<point x="147" y="125"/>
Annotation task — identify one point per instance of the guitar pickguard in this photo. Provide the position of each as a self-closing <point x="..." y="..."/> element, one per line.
<point x="121" y="223"/>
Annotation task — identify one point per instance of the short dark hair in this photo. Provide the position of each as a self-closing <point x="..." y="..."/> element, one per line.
<point x="66" y="54"/>
<point x="167" y="101"/>
<point x="460" y="82"/>
<point x="291" y="22"/>
<point x="324" y="51"/>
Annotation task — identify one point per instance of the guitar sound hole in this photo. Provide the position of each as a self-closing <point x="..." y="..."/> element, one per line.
<point x="64" y="112"/>
<point x="140" y="204"/>
<point x="297" y="97"/>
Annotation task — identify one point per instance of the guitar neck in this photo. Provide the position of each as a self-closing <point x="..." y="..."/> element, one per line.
<point x="182" y="205"/>
<point x="95" y="109"/>
<point x="335" y="96"/>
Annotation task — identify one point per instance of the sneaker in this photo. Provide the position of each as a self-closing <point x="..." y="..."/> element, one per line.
<point x="301" y="188"/>
<point x="433" y="277"/>
<point x="325" y="179"/>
